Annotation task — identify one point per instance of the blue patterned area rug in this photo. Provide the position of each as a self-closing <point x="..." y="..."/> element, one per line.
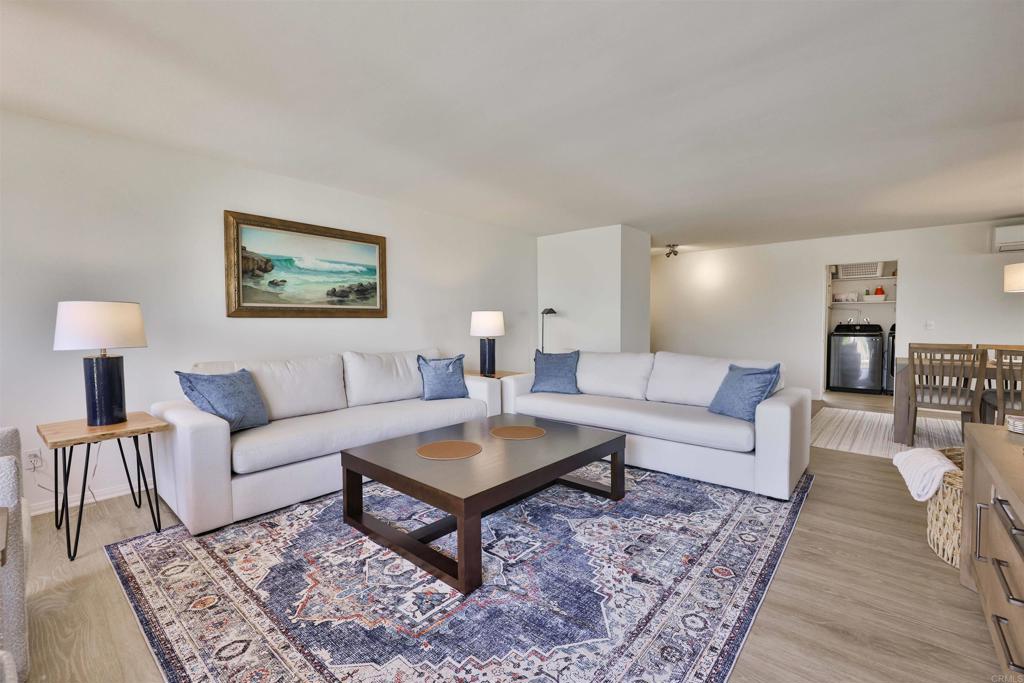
<point x="660" y="586"/>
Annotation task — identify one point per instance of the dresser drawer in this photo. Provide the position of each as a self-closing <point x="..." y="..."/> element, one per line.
<point x="1002" y="541"/>
<point x="1000" y="575"/>
<point x="992" y="469"/>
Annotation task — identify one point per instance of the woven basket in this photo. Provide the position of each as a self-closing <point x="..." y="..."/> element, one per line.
<point x="944" y="511"/>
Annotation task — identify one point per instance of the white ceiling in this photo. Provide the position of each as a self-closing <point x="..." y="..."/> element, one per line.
<point x="703" y="123"/>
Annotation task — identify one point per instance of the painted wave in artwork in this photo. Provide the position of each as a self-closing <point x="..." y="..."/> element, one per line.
<point x="305" y="280"/>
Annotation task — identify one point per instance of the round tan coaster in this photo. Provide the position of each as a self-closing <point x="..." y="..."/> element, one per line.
<point x="518" y="432"/>
<point x="448" y="450"/>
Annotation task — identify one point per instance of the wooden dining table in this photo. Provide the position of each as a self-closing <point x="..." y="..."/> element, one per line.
<point x="901" y="399"/>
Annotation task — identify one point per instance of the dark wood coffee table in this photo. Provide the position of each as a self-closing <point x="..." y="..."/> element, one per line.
<point x="503" y="473"/>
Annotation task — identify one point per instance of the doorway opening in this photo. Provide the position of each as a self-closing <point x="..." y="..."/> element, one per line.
<point x="860" y="334"/>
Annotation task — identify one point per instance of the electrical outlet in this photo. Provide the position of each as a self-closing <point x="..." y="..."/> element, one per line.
<point x="34" y="460"/>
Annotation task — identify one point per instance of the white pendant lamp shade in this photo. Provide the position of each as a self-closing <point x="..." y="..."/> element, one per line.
<point x="487" y="324"/>
<point x="1013" y="277"/>
<point x="85" y="325"/>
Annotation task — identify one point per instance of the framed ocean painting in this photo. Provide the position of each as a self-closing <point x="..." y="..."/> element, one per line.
<point x="283" y="269"/>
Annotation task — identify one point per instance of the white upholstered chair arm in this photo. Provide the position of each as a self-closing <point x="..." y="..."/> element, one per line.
<point x="513" y="386"/>
<point x="194" y="464"/>
<point x="13" y="573"/>
<point x="486" y="389"/>
<point x="782" y="442"/>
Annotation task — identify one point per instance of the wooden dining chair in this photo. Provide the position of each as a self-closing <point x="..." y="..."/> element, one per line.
<point x="987" y="414"/>
<point x="1006" y="398"/>
<point x="946" y="377"/>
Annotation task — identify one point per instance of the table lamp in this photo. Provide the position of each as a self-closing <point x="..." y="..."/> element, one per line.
<point x="101" y="325"/>
<point x="1013" y="277"/>
<point x="487" y="325"/>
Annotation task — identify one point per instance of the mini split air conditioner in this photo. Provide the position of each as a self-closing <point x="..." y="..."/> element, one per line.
<point x="1008" y="238"/>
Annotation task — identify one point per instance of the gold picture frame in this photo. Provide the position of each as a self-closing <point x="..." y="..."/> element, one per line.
<point x="275" y="268"/>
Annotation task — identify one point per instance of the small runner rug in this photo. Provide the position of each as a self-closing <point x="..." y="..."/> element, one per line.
<point x="662" y="585"/>
<point x="869" y="433"/>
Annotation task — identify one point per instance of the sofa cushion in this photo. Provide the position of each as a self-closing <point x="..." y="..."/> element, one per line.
<point x="231" y="396"/>
<point x="442" y="378"/>
<point x="615" y="374"/>
<point x="742" y="391"/>
<point x="311" y="436"/>
<point x="694" y="380"/>
<point x="555" y="372"/>
<point x="670" y="421"/>
<point x="298" y="386"/>
<point x="381" y="377"/>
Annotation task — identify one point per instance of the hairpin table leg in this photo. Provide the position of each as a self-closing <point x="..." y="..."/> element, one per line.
<point x="58" y="510"/>
<point x="60" y="474"/>
<point x="154" y="499"/>
<point x="136" y="495"/>
<point x="73" y="550"/>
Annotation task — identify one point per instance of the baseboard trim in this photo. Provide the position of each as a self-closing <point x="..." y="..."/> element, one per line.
<point x="41" y="507"/>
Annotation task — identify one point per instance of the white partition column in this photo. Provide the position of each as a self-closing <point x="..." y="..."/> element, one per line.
<point x="598" y="281"/>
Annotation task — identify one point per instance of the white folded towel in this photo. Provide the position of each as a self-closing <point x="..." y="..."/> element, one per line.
<point x="923" y="469"/>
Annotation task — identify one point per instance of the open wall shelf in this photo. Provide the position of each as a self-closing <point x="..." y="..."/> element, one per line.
<point x="861" y="303"/>
<point x="855" y="279"/>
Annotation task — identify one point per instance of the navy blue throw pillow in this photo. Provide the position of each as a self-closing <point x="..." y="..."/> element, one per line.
<point x="233" y="397"/>
<point x="555" y="372"/>
<point x="442" y="377"/>
<point x="742" y="390"/>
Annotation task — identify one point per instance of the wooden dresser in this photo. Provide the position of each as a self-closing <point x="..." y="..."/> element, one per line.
<point x="992" y="535"/>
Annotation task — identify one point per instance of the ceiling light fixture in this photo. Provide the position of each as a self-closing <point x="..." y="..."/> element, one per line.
<point x="672" y="251"/>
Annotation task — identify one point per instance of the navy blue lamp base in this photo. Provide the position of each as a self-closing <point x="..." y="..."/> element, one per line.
<point x="104" y="390"/>
<point x="486" y="357"/>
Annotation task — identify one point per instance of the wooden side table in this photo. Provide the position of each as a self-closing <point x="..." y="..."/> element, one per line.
<point x="64" y="436"/>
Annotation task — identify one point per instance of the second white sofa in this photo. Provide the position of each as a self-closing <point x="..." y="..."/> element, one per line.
<point x="317" y="407"/>
<point x="660" y="400"/>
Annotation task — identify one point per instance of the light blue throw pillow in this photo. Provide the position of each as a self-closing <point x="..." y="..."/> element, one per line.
<point x="743" y="389"/>
<point x="442" y="377"/>
<point x="555" y="372"/>
<point x="233" y="397"/>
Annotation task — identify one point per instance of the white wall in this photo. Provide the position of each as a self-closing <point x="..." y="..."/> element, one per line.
<point x="91" y="216"/>
<point x="635" y="304"/>
<point x="578" y="275"/>
<point x="768" y="301"/>
<point x="598" y="282"/>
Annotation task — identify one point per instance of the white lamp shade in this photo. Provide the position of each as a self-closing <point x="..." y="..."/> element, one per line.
<point x="487" y="324"/>
<point x="1013" y="277"/>
<point x="98" y="325"/>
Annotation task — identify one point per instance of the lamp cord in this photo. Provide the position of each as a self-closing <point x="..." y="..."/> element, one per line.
<point x="96" y="463"/>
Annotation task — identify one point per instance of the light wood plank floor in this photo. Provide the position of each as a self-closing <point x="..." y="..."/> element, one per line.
<point x="858" y="595"/>
<point x="874" y="402"/>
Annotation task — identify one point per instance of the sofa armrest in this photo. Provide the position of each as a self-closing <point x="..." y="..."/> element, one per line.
<point x="194" y="462"/>
<point x="513" y="386"/>
<point x="486" y="389"/>
<point x="782" y="442"/>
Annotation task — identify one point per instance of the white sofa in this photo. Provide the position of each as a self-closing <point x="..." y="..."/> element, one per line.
<point x="317" y="407"/>
<point x="660" y="400"/>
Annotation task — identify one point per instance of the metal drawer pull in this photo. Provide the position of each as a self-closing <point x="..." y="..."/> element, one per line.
<point x="998" y="565"/>
<point x="979" y="507"/>
<point x="1002" y="510"/>
<point x="1003" y="507"/>
<point x="1010" y="664"/>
